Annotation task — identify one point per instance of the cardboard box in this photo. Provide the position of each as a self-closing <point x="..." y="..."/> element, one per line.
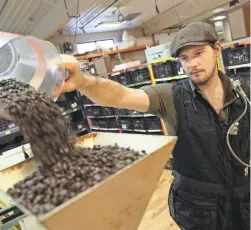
<point x="103" y="65"/>
<point x="117" y="203"/>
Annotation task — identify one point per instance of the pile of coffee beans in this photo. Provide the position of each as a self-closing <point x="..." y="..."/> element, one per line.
<point x="41" y="192"/>
<point x="64" y="170"/>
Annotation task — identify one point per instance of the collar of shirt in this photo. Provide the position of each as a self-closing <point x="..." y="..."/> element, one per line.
<point x="227" y="84"/>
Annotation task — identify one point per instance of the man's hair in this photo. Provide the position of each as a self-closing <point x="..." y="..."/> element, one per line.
<point x="212" y="44"/>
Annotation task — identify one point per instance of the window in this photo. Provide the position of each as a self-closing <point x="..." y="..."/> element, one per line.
<point x="90" y="46"/>
<point x="106" y="43"/>
<point x="86" y="47"/>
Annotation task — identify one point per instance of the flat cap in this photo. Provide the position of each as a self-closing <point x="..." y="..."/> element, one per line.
<point x="195" y="33"/>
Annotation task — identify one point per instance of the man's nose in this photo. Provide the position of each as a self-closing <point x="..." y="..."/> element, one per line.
<point x="192" y="63"/>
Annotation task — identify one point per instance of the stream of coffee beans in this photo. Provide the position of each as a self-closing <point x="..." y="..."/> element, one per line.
<point x="64" y="170"/>
<point x="40" y="121"/>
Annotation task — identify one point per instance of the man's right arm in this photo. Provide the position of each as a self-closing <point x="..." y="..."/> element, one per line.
<point x="156" y="100"/>
<point x="112" y="94"/>
<point x="103" y="91"/>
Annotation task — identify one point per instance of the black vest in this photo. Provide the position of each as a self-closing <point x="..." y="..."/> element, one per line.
<point x="203" y="166"/>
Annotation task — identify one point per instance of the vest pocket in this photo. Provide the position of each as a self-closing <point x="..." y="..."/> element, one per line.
<point x="245" y="215"/>
<point x="197" y="115"/>
<point x="192" y="212"/>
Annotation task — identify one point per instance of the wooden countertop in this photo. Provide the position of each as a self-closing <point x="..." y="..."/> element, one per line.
<point x="157" y="215"/>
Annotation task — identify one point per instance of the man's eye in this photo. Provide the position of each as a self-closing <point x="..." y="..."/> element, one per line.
<point x="198" y="53"/>
<point x="183" y="59"/>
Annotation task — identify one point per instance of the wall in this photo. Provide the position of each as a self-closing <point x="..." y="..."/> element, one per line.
<point x="116" y="35"/>
<point x="227" y="31"/>
<point x="246" y="12"/>
<point x="164" y="37"/>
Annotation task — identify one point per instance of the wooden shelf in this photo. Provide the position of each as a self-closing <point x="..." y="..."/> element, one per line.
<point x="94" y="55"/>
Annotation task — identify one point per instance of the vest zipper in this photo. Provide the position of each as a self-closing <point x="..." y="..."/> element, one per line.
<point x="221" y="133"/>
<point x="228" y="175"/>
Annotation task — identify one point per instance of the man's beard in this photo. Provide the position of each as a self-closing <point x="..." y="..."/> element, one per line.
<point x="206" y="79"/>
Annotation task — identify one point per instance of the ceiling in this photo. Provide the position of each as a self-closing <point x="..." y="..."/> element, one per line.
<point x="143" y="9"/>
<point x="40" y="18"/>
<point x="44" y="18"/>
<point x="22" y="16"/>
<point x="188" y="11"/>
<point x="171" y="12"/>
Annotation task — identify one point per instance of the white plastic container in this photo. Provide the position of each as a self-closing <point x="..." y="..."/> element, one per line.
<point x="32" y="61"/>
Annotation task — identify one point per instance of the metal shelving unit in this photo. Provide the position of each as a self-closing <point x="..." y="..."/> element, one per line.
<point x="231" y="46"/>
<point x="127" y="77"/>
<point x="9" y="131"/>
<point x="179" y="77"/>
<point x="69" y="111"/>
<point x="238" y="66"/>
<point x="123" y="116"/>
<point x="115" y="118"/>
<point x="171" y="77"/>
<point x="235" y="59"/>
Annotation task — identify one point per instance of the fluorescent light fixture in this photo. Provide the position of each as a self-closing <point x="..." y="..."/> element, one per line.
<point x="218" y="10"/>
<point x="111" y="24"/>
<point x="218" y="24"/>
<point x="218" y="18"/>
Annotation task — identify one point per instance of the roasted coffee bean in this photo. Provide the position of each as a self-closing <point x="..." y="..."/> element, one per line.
<point x="48" y="207"/>
<point x="97" y="177"/>
<point x="63" y="170"/>
<point x="129" y="161"/>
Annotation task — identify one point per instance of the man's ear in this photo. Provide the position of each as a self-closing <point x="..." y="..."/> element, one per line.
<point x="217" y="49"/>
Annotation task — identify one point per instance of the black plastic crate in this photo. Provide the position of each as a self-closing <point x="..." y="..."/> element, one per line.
<point x="140" y="75"/>
<point x="108" y="131"/>
<point x="68" y="119"/>
<point x="124" y="79"/>
<point x="122" y="112"/>
<point x="126" y="123"/>
<point x="114" y="77"/>
<point x="64" y="105"/>
<point x="139" y="123"/>
<point x="134" y="112"/>
<point x="95" y="122"/>
<point x="108" y="123"/>
<point x="86" y="100"/>
<point x="152" y="123"/>
<point x="112" y="123"/>
<point x="225" y="56"/>
<point x="4" y="125"/>
<point x="163" y="69"/>
<point x="107" y="111"/>
<point x="177" y="67"/>
<point x="236" y="56"/>
<point x="93" y="111"/>
<point x="75" y="103"/>
<point x="79" y="125"/>
<point x="61" y="97"/>
<point x="243" y="77"/>
<point x="103" y="124"/>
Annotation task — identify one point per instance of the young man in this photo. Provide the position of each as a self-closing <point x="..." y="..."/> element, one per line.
<point x="211" y="188"/>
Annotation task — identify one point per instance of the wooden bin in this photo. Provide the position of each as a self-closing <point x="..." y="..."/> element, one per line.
<point x="117" y="203"/>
